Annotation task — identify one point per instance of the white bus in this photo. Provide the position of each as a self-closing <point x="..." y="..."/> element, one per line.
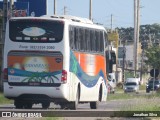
<point x="54" y="59"/>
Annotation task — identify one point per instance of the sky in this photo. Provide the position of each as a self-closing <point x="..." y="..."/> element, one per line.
<point x="121" y="10"/>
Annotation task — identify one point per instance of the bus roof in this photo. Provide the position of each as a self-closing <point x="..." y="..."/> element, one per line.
<point x="72" y="18"/>
<point x="69" y="18"/>
<point x="61" y="17"/>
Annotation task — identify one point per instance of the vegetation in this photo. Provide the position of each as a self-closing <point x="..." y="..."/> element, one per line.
<point x="4" y="100"/>
<point x="153" y="56"/>
<point x="142" y="102"/>
<point x="129" y="74"/>
<point x="50" y="118"/>
<point x="145" y="31"/>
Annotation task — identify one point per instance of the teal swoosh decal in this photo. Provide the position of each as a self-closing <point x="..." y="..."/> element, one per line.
<point x="87" y="80"/>
<point x="47" y="77"/>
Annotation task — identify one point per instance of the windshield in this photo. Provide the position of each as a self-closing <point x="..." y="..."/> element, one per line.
<point x="155" y="82"/>
<point x="130" y="83"/>
<point x="36" y="30"/>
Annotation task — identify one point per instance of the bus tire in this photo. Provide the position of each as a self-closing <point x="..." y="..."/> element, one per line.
<point x="94" y="105"/>
<point x="45" y="105"/>
<point x="28" y="105"/>
<point x="18" y="104"/>
<point x="74" y="105"/>
<point x="63" y="106"/>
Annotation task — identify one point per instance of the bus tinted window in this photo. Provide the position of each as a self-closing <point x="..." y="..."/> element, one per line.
<point x="36" y="31"/>
<point x="72" y="37"/>
<point x="86" y="39"/>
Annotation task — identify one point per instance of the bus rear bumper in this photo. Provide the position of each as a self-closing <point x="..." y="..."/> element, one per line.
<point x="35" y="92"/>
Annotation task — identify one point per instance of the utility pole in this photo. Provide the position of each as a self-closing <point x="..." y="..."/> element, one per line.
<point x="138" y="25"/>
<point x="136" y="34"/>
<point x="5" y="12"/>
<point x="5" y="17"/>
<point x="135" y="37"/>
<point x="142" y="56"/>
<point x="11" y="7"/>
<point x="65" y="10"/>
<point x="90" y="10"/>
<point x="124" y="55"/>
<point x="54" y="7"/>
<point x="111" y="22"/>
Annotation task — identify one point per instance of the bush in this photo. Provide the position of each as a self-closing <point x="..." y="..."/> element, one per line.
<point x="120" y="85"/>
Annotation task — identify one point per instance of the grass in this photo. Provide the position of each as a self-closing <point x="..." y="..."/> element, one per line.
<point x="142" y="87"/>
<point x="119" y="94"/>
<point x="4" y="100"/>
<point x="50" y="118"/>
<point x="142" y="102"/>
<point x="150" y="104"/>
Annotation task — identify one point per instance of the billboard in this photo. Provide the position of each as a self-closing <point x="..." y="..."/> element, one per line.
<point x="39" y="7"/>
<point x="19" y="9"/>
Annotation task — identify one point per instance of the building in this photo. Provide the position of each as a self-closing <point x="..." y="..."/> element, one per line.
<point x="28" y="6"/>
<point x="39" y="7"/>
<point x="129" y="56"/>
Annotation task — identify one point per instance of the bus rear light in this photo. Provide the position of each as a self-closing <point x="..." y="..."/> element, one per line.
<point x="5" y="74"/>
<point x="64" y="76"/>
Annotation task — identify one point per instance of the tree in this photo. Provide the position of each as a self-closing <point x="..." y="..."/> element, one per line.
<point x="145" y="30"/>
<point x="113" y="37"/>
<point x="153" y="56"/>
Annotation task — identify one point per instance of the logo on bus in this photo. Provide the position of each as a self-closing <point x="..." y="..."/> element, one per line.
<point x="58" y="60"/>
<point x="12" y="71"/>
<point x="36" y="64"/>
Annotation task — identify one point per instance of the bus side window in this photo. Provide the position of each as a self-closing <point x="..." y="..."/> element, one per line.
<point x="92" y="43"/>
<point x="76" y="38"/>
<point x="87" y="39"/>
<point x="101" y="41"/>
<point x="97" y="42"/>
<point x="106" y="40"/>
<point x="71" y="37"/>
<point x="82" y="39"/>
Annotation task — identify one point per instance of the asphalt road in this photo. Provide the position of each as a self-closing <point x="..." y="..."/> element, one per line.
<point x="105" y="110"/>
<point x="112" y="105"/>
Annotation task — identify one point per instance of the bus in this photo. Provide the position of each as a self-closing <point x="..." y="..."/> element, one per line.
<point x="59" y="59"/>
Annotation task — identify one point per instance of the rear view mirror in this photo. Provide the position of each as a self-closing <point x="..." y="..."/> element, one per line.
<point x="113" y="57"/>
<point x="109" y="77"/>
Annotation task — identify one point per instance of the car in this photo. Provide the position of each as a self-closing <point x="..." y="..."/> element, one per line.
<point x="131" y="85"/>
<point x="152" y="85"/>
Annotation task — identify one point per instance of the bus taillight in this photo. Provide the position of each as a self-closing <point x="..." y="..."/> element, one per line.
<point x="64" y="76"/>
<point x="5" y="73"/>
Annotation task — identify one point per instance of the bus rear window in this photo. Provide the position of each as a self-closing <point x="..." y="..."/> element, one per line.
<point x="36" y="31"/>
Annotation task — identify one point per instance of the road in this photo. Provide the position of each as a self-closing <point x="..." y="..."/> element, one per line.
<point x="106" y="109"/>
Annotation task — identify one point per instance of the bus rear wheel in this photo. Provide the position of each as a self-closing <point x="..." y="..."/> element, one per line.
<point x="45" y="105"/>
<point x="18" y="104"/>
<point x="28" y="105"/>
<point x="74" y="105"/>
<point x="94" y="105"/>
